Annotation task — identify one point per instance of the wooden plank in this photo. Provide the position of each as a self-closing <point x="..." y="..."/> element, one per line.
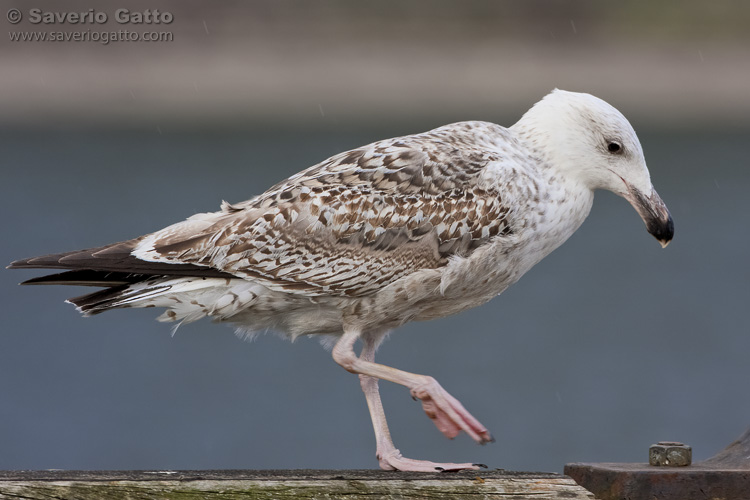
<point x="285" y="484"/>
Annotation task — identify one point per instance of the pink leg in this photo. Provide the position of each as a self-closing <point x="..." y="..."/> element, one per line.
<point x="447" y="413"/>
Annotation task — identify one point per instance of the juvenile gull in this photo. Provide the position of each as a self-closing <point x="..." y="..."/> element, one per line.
<point x="404" y="229"/>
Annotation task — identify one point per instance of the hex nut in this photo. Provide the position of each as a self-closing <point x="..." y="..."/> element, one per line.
<point x="670" y="454"/>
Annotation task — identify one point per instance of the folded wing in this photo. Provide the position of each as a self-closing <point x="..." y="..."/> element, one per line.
<point x="348" y="226"/>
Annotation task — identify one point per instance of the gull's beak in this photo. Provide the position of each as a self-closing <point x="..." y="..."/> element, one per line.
<point x="654" y="213"/>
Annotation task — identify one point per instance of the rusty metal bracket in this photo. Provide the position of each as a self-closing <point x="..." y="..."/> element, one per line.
<point x="725" y="476"/>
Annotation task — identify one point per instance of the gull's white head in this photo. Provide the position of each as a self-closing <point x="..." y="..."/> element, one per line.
<point x="591" y="142"/>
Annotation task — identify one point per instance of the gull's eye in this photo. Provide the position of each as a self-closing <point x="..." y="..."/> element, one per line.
<point x="614" y="147"/>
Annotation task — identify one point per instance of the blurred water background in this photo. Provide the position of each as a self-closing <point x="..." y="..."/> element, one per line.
<point x="605" y="347"/>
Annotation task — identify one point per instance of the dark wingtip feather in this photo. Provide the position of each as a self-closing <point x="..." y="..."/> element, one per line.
<point x="86" y="258"/>
<point x="115" y="258"/>
<point x="86" y="277"/>
<point x="18" y="264"/>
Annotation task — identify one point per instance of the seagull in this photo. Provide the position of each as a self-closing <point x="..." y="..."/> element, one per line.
<point x="405" y="229"/>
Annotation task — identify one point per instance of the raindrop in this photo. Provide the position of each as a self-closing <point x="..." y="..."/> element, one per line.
<point x="206" y="27"/>
<point x="573" y="25"/>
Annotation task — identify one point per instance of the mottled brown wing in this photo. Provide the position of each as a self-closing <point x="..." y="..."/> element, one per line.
<point x="350" y="225"/>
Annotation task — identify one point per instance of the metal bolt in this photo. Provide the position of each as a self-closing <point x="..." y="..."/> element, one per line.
<point x="670" y="454"/>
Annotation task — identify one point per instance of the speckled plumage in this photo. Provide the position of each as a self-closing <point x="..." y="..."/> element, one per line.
<point x="356" y="222"/>
<point x="410" y="228"/>
<point x="353" y="231"/>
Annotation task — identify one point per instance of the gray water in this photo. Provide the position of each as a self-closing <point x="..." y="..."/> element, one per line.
<point x="605" y="347"/>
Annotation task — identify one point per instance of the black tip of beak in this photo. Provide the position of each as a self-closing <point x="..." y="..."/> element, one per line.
<point x="662" y="230"/>
<point x="654" y="213"/>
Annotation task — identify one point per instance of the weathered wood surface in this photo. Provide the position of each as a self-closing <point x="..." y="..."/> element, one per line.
<point x="285" y="484"/>
<point x="726" y="476"/>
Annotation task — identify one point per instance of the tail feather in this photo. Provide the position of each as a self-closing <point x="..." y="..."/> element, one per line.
<point x="148" y="292"/>
<point x="97" y="302"/>
<point x="188" y="292"/>
<point x="186" y="299"/>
